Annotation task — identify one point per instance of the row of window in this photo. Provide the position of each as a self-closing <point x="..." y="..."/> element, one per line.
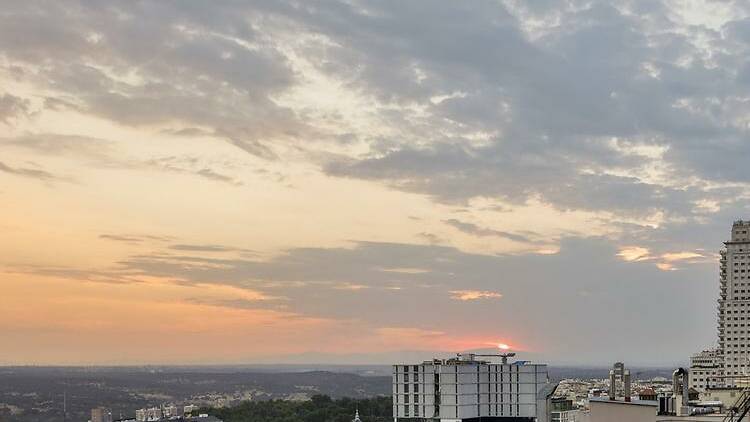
<point x="501" y="410"/>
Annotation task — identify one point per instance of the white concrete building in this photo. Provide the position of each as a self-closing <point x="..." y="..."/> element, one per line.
<point x="466" y="389"/>
<point x="734" y="302"/>
<point x="706" y="370"/>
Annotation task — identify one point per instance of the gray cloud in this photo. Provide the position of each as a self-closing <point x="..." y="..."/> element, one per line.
<point x="134" y="238"/>
<point x="189" y="165"/>
<point x="557" y="101"/>
<point x="204" y="65"/>
<point x="549" y="104"/>
<point x="102" y="153"/>
<point x="207" y="248"/>
<point x="11" y="107"/>
<point x="475" y="230"/>
<point x="29" y="172"/>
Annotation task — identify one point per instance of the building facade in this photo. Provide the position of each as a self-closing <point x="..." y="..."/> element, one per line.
<point x="706" y="368"/>
<point x="464" y="388"/>
<point x="734" y="303"/>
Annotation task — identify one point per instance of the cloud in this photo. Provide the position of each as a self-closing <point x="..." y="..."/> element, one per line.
<point x="467" y="295"/>
<point x="555" y="112"/>
<point x="189" y="165"/>
<point x="634" y="253"/>
<point x="12" y="107"/>
<point x="130" y="238"/>
<point x="105" y="154"/>
<point x="475" y="230"/>
<point x="665" y="261"/>
<point x="614" y="109"/>
<point x="29" y="172"/>
<point x="206" y="67"/>
<point x="200" y="248"/>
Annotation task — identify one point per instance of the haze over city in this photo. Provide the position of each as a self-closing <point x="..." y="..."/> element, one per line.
<point x="191" y="182"/>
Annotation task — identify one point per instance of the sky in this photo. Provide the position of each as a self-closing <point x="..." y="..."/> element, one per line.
<point x="367" y="181"/>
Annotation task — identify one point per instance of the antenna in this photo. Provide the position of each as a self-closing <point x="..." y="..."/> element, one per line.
<point x="65" y="405"/>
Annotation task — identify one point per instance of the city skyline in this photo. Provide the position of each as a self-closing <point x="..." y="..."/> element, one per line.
<point x="367" y="181"/>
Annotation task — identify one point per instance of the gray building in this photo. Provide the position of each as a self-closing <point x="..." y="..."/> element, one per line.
<point x="466" y="389"/>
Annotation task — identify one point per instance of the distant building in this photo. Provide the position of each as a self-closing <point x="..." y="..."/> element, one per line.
<point x="706" y="370"/>
<point x="173" y="411"/>
<point x="648" y="394"/>
<point x="356" y="416"/>
<point x="101" y="414"/>
<point x="189" y="409"/>
<point x="465" y="388"/>
<point x="148" y="415"/>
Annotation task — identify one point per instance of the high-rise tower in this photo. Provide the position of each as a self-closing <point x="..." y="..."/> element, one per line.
<point x="734" y="303"/>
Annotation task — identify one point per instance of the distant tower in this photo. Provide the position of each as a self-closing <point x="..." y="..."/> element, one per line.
<point x="356" y="416"/>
